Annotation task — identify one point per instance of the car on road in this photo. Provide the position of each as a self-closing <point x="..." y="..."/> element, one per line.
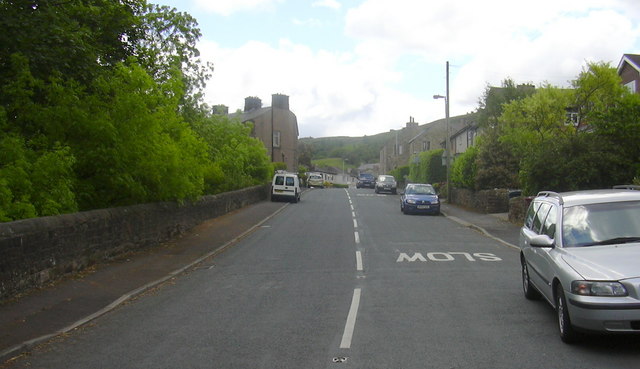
<point x="366" y="180"/>
<point x="285" y="186"/>
<point x="419" y="198"/>
<point x="580" y="251"/>
<point x="386" y="183"/>
<point x="315" y="180"/>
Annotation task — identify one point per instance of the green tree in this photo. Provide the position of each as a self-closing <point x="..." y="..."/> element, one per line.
<point x="169" y="45"/>
<point x="496" y="164"/>
<point x="428" y="168"/>
<point x="238" y="160"/>
<point x="76" y="38"/>
<point x="463" y="169"/>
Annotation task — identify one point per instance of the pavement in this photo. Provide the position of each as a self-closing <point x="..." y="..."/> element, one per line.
<point x="40" y="315"/>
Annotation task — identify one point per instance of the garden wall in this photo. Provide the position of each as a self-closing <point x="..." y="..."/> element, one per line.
<point x="35" y="251"/>
<point x="486" y="201"/>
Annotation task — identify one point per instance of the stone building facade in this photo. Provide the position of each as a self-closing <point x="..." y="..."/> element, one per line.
<point x="276" y="126"/>
<point x="414" y="139"/>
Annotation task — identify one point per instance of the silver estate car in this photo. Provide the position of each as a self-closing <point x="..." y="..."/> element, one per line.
<point x="581" y="252"/>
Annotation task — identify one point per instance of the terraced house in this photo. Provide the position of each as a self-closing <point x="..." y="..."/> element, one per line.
<point x="414" y="139"/>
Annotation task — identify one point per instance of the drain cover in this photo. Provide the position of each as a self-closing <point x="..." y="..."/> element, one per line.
<point x="339" y="359"/>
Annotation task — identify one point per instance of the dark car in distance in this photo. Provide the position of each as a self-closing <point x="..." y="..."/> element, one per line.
<point x="386" y="183"/>
<point x="420" y="198"/>
<point x="366" y="180"/>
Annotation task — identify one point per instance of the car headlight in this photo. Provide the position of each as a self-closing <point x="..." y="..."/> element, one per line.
<point x="590" y="288"/>
<point x="436" y="201"/>
<point x="411" y="201"/>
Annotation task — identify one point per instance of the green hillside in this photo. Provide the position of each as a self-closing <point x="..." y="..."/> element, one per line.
<point x="356" y="150"/>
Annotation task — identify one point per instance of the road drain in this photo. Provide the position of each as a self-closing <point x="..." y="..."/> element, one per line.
<point x="340" y="359"/>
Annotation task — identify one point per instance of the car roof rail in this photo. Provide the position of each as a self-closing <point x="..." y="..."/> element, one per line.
<point x="627" y="187"/>
<point x="551" y="194"/>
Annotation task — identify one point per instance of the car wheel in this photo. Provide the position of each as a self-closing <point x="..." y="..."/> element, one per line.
<point x="566" y="330"/>
<point x="295" y="198"/>
<point x="530" y="292"/>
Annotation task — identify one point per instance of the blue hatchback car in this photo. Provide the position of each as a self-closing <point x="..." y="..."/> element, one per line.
<point x="420" y="198"/>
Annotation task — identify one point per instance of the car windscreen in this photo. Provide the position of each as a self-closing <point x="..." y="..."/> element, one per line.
<point x="420" y="190"/>
<point x="601" y="224"/>
<point x="387" y="179"/>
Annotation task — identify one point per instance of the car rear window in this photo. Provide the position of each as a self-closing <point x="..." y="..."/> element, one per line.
<point x="279" y="180"/>
<point x="290" y="181"/>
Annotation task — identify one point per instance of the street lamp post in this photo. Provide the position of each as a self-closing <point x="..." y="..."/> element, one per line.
<point x="446" y="143"/>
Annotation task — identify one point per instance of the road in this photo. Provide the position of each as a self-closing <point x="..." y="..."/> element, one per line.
<point x="340" y="280"/>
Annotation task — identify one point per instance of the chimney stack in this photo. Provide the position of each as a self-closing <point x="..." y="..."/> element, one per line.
<point x="252" y="103"/>
<point x="280" y="101"/>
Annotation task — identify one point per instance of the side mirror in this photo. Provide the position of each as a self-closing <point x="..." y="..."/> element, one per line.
<point x="541" y="241"/>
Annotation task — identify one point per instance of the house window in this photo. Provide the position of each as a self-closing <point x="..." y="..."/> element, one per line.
<point x="426" y="145"/>
<point x="572" y="118"/>
<point x="276" y="138"/>
<point x="631" y="86"/>
<point x="471" y="134"/>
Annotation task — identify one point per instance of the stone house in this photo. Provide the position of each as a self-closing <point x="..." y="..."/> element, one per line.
<point x="276" y="126"/>
<point x="414" y="139"/>
<point x="395" y="153"/>
<point x="463" y="139"/>
<point x="629" y="71"/>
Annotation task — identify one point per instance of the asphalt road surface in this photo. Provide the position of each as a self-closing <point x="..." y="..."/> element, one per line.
<point x="340" y="280"/>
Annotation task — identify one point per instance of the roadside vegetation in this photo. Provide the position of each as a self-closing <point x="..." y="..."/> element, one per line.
<point x="549" y="138"/>
<point x="101" y="106"/>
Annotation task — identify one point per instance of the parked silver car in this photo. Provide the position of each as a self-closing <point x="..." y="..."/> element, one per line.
<point x="581" y="252"/>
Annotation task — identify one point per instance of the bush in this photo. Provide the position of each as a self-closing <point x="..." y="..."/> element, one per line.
<point x="463" y="170"/>
<point x="428" y="168"/>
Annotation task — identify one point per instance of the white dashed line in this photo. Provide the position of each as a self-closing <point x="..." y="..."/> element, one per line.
<point x="351" y="320"/>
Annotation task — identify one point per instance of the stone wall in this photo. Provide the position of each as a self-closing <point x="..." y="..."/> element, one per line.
<point x="486" y="201"/>
<point x="35" y="251"/>
<point x="517" y="209"/>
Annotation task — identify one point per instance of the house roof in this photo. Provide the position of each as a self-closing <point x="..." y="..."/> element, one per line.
<point x="632" y="59"/>
<point x="471" y="126"/>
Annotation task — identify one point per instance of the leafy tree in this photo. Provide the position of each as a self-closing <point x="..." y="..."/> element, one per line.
<point x="528" y="122"/>
<point x="563" y="164"/>
<point x="496" y="165"/>
<point x="238" y="160"/>
<point x="598" y="88"/>
<point x="169" y="45"/>
<point x="75" y="38"/>
<point x="491" y="104"/>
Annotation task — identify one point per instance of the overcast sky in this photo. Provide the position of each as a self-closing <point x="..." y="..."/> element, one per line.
<point x="362" y="67"/>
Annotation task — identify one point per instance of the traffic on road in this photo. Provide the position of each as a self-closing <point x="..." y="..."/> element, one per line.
<point x="343" y="279"/>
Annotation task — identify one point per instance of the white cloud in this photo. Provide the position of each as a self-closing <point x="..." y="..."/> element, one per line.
<point x="333" y="4"/>
<point x="358" y="92"/>
<point x="331" y="93"/>
<point x="228" y="7"/>
<point x="488" y="41"/>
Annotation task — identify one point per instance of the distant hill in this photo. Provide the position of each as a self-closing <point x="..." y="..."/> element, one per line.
<point x="357" y="150"/>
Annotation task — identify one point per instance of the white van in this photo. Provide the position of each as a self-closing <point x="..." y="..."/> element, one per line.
<point x="285" y="186"/>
